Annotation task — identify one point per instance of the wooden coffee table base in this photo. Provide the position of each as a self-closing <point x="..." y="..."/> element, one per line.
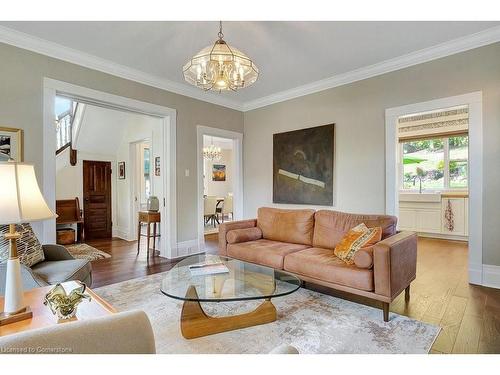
<point x="196" y="323"/>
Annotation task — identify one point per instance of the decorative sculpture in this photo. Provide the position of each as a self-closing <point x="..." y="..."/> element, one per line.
<point x="64" y="305"/>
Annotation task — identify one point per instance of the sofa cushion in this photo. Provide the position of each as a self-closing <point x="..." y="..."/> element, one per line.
<point x="358" y="237"/>
<point x="321" y="264"/>
<point x="54" y="272"/>
<point x="331" y="226"/>
<point x="293" y="226"/>
<point x="263" y="252"/>
<point x="364" y="257"/>
<point x="243" y="235"/>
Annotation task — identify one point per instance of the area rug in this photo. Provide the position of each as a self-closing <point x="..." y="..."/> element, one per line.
<point x="310" y="321"/>
<point x="84" y="251"/>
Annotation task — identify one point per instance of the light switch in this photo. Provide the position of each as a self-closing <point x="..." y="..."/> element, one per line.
<point x="186" y="172"/>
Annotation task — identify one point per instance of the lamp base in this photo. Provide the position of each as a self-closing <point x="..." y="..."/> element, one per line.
<point x="6" y="318"/>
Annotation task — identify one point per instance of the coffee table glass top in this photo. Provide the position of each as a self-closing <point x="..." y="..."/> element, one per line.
<point x="243" y="281"/>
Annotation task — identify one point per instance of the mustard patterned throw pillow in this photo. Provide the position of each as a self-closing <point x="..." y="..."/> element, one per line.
<point x="358" y="237"/>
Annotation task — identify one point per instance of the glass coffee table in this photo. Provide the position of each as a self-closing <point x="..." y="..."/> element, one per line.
<point x="238" y="281"/>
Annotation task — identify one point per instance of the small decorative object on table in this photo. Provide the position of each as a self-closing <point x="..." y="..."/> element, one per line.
<point x="153" y="204"/>
<point x="62" y="304"/>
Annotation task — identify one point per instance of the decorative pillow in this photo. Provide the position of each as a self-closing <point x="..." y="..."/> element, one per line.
<point x="29" y="249"/>
<point x="358" y="237"/>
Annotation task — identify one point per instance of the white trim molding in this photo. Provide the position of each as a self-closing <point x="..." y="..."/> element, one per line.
<point x="187" y="248"/>
<point x="58" y="51"/>
<point x="482" y="38"/>
<point x="491" y="276"/>
<point x="474" y="101"/>
<point x="51" y="88"/>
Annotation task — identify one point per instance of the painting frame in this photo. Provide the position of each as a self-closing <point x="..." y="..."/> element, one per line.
<point x="219" y="172"/>
<point x="121" y="170"/>
<point x="304" y="166"/>
<point x="11" y="144"/>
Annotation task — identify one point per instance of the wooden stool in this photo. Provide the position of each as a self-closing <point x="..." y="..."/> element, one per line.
<point x="148" y="217"/>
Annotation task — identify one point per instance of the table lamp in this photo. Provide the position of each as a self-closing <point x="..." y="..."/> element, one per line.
<point x="20" y="202"/>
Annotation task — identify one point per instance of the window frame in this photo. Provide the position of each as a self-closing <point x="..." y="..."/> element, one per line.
<point x="446" y="168"/>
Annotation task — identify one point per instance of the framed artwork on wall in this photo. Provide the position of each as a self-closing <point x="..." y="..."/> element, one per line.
<point x="157" y="166"/>
<point x="11" y="144"/>
<point x="303" y="166"/>
<point x="121" y="170"/>
<point x="218" y="172"/>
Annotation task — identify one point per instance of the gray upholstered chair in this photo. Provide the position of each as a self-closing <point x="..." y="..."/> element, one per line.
<point x="122" y="333"/>
<point x="59" y="266"/>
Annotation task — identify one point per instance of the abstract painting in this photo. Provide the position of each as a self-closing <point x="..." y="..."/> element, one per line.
<point x="218" y="172"/>
<point x="303" y="166"/>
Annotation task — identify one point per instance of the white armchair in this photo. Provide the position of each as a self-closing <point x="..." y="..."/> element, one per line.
<point x="122" y="333"/>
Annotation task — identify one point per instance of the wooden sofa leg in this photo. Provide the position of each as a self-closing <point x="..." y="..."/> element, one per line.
<point x="385" y="307"/>
<point x="407" y="294"/>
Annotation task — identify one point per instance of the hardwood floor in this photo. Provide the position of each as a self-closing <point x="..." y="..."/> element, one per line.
<point x="469" y="315"/>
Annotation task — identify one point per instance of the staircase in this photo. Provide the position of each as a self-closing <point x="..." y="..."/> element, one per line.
<point x="67" y="129"/>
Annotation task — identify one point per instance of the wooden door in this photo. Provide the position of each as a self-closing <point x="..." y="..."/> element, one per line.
<point x="97" y="199"/>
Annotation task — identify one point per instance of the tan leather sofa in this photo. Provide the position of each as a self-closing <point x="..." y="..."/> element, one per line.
<point x="302" y="242"/>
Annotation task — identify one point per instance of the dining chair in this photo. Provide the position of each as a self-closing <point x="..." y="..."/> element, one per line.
<point x="209" y="207"/>
<point x="227" y="207"/>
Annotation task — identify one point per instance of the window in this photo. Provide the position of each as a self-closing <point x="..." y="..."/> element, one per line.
<point x="437" y="163"/>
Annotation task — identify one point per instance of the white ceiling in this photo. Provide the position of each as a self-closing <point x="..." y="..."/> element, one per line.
<point x="288" y="54"/>
<point x="111" y="126"/>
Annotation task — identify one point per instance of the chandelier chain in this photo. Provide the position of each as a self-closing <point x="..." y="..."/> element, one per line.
<point x="220" y="34"/>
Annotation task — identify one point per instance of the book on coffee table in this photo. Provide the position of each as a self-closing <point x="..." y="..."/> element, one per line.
<point x="203" y="269"/>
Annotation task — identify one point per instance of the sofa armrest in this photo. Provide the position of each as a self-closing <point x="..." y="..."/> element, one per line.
<point x="395" y="263"/>
<point x="231" y="225"/>
<point x="127" y="332"/>
<point x="56" y="252"/>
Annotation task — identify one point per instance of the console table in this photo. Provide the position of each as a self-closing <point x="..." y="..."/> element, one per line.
<point x="147" y="217"/>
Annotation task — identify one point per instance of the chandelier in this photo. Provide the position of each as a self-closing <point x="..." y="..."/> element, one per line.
<point x="220" y="67"/>
<point x="212" y="152"/>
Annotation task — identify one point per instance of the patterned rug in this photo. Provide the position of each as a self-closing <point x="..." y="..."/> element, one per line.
<point x="310" y="321"/>
<point x="84" y="251"/>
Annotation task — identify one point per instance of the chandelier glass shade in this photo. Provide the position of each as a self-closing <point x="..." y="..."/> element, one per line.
<point x="212" y="153"/>
<point x="220" y="67"/>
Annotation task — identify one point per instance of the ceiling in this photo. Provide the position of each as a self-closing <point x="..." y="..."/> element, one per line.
<point x="113" y="127"/>
<point x="289" y="54"/>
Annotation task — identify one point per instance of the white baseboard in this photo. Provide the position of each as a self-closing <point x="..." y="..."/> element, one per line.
<point x="186" y="248"/>
<point x="491" y="276"/>
<point x="122" y="233"/>
<point x="476" y="274"/>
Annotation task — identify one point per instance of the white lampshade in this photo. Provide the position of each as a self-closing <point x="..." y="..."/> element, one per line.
<point x="21" y="200"/>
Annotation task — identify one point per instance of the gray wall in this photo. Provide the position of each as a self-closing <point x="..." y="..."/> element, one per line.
<point x="21" y="106"/>
<point x="358" y="110"/>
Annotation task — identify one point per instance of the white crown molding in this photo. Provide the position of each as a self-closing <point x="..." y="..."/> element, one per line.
<point x="42" y="46"/>
<point x="51" y="49"/>
<point x="452" y="47"/>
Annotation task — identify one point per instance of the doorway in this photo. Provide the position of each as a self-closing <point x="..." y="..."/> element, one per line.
<point x="472" y="204"/>
<point x="218" y="176"/>
<point x="167" y="136"/>
<point x="220" y="179"/>
<point x="97" y="199"/>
